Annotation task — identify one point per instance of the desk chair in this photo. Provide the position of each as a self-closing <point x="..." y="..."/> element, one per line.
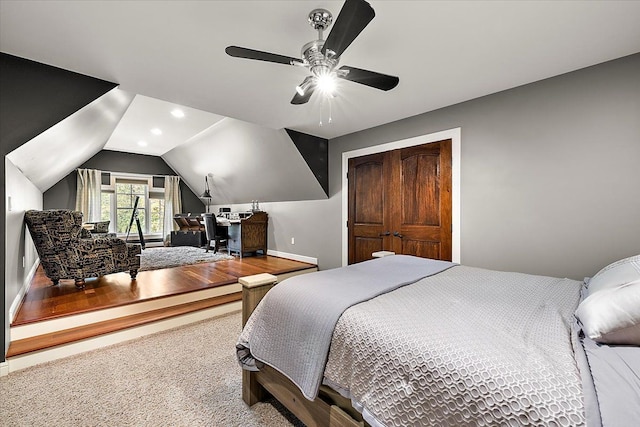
<point x="215" y="234"/>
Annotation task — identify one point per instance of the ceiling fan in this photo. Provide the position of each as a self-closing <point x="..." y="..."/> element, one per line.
<point x="321" y="57"/>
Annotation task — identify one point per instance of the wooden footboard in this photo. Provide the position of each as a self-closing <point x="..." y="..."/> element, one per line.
<point x="257" y="386"/>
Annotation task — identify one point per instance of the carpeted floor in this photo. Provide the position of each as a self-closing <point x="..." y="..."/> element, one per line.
<point x="184" y="377"/>
<point x="156" y="258"/>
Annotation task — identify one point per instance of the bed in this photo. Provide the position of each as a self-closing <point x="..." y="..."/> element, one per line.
<point x="407" y="341"/>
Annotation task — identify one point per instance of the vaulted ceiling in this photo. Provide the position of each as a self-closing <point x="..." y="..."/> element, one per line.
<point x="172" y="53"/>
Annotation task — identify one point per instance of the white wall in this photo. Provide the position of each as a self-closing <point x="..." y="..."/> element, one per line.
<point x="22" y="195"/>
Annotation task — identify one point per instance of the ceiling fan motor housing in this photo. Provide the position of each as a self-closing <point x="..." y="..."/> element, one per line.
<point x="318" y="63"/>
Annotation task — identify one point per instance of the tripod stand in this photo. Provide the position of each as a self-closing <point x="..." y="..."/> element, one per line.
<point x="134" y="216"/>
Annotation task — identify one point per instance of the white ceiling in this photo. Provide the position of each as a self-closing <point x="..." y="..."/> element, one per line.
<point x="444" y="52"/>
<point x="135" y="131"/>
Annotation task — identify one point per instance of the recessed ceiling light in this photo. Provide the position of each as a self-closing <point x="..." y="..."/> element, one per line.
<point x="177" y="113"/>
<point x="142" y="143"/>
<point x="156" y="131"/>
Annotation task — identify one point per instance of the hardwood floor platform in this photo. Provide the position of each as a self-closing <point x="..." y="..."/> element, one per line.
<point x="45" y="301"/>
<point x="60" y="321"/>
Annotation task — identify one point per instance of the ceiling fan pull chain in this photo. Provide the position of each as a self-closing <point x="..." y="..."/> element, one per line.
<point x="330" y="118"/>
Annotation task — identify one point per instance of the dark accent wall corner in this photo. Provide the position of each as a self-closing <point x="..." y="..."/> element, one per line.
<point x="34" y="97"/>
<point x="315" y="152"/>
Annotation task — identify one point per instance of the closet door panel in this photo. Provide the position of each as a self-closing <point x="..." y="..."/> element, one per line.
<point x="367" y="206"/>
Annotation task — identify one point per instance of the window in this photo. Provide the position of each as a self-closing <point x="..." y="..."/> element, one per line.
<point x="126" y="194"/>
<point x="118" y="201"/>
<point x="156" y="215"/>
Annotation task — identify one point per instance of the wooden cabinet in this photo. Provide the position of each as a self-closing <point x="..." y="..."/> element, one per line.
<point x="249" y="234"/>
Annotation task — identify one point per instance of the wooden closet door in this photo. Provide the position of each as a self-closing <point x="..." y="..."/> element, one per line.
<point x="400" y="201"/>
<point x="421" y="224"/>
<point x="367" y="206"/>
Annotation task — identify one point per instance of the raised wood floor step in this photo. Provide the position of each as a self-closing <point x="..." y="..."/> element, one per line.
<point x="45" y="341"/>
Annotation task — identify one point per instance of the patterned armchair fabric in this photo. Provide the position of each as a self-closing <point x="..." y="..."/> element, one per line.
<point x="96" y="229"/>
<point x="65" y="254"/>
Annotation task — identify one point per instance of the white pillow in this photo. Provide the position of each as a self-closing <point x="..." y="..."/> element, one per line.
<point x="611" y="312"/>
<point x="615" y="274"/>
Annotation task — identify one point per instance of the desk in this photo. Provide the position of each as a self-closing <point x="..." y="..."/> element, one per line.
<point x="248" y="234"/>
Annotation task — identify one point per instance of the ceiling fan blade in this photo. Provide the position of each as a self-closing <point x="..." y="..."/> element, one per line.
<point x="354" y="16"/>
<point x="370" y="78"/>
<point x="308" y="91"/>
<point x="243" y="52"/>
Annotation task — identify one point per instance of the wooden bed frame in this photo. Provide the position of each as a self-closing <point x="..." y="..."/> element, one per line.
<point x="258" y="386"/>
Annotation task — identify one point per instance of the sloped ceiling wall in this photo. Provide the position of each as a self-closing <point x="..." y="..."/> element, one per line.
<point x="245" y="162"/>
<point x="34" y="98"/>
<point x="53" y="154"/>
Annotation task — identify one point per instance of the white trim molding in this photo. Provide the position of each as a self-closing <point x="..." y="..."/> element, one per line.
<point x="456" y="138"/>
<point x="4" y="369"/>
<point x="26" y="284"/>
<point x="295" y="257"/>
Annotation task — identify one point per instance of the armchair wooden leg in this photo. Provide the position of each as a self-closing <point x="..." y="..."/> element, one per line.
<point x="133" y="273"/>
<point x="80" y="283"/>
<point x="55" y="282"/>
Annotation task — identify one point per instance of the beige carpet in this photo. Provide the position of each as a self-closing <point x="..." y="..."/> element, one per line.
<point x="184" y="377"/>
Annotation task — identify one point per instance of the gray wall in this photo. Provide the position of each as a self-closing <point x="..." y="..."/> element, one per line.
<point x="63" y="194"/>
<point x="549" y="172"/>
<point x="549" y="181"/>
<point x="246" y="162"/>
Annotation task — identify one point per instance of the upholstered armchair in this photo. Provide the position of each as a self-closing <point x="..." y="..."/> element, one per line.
<point x="65" y="254"/>
<point x="96" y="229"/>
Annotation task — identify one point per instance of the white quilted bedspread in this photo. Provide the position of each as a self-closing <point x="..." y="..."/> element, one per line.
<point x="465" y="347"/>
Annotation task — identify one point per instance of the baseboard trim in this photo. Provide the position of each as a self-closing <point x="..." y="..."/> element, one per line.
<point x="4" y="369"/>
<point x="295" y="257"/>
<point x="26" y="284"/>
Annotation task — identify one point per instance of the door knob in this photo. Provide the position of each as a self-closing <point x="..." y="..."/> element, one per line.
<point x="396" y="234"/>
<point x="386" y="233"/>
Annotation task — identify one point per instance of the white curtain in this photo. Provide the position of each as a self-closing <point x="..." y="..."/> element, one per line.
<point x="88" y="197"/>
<point x="172" y="204"/>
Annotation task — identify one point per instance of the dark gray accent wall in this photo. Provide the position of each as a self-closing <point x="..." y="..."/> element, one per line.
<point x="33" y="98"/>
<point x="314" y="151"/>
<point x="63" y="194"/>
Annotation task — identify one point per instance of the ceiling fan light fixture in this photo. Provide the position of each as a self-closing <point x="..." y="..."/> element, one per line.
<point x="321" y="56"/>
<point x="304" y="86"/>
<point x="327" y="83"/>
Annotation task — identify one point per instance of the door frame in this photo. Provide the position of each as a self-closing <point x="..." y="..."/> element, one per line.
<point x="455" y="136"/>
